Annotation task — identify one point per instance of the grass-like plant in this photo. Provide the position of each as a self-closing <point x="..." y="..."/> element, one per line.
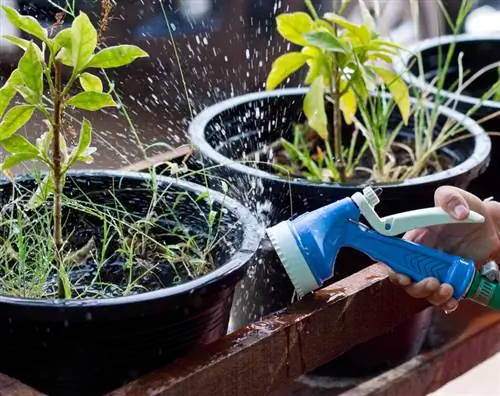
<point x="344" y="67"/>
<point x="129" y="251"/>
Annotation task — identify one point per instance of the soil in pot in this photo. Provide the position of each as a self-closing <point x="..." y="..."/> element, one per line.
<point x="471" y="54"/>
<point x="128" y="313"/>
<point x="225" y="135"/>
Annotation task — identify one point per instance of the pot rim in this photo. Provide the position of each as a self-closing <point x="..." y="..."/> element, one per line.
<point x="401" y="62"/>
<point x="197" y="127"/>
<point x="252" y="235"/>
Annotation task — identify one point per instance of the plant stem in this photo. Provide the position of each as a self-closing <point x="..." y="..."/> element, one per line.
<point x="57" y="174"/>
<point x="336" y="136"/>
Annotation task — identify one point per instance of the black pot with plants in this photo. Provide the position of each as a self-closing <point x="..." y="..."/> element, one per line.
<point x="461" y="72"/>
<point x="294" y="150"/>
<point x="104" y="275"/>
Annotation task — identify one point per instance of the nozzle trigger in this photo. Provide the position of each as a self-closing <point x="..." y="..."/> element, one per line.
<point x="400" y="223"/>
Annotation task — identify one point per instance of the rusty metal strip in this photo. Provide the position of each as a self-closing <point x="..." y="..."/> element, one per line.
<point x="273" y="352"/>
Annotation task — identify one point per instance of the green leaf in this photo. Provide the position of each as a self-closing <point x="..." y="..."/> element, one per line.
<point x="31" y="70"/>
<point x="91" y="101"/>
<point x="27" y="24"/>
<point x="8" y="91"/>
<point x="283" y="66"/>
<point x="398" y="89"/>
<point x="91" y="83"/>
<point x="15" y="159"/>
<point x="317" y="63"/>
<point x="62" y="39"/>
<point x="360" y="31"/>
<point x="65" y="57"/>
<point x="83" y="41"/>
<point x="24" y="44"/>
<point x="14" y="119"/>
<point x="42" y="192"/>
<point x="324" y="40"/>
<point x="314" y="108"/>
<point x="17" y="144"/>
<point x="293" y="26"/>
<point x="348" y="103"/>
<point x="80" y="151"/>
<point x="117" y="56"/>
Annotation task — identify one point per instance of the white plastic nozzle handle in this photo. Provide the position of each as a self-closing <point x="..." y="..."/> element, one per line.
<point x="402" y="222"/>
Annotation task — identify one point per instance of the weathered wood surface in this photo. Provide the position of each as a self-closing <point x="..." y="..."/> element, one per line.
<point x="160" y="158"/>
<point x="12" y="387"/>
<point x="472" y="336"/>
<point x="271" y="353"/>
<point x="429" y="371"/>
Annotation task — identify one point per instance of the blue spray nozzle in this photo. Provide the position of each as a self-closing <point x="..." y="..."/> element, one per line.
<point x="308" y="245"/>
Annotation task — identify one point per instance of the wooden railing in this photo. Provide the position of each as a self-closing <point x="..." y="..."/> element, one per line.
<point x="267" y="357"/>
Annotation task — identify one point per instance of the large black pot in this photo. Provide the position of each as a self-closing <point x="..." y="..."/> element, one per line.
<point x="222" y="133"/>
<point x="88" y="347"/>
<point x="475" y="53"/>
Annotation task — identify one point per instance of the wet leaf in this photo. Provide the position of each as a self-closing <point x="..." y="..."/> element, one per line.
<point x="284" y="66"/>
<point x="8" y="91"/>
<point x="91" y="101"/>
<point x="31" y="70"/>
<point x="398" y="89"/>
<point x="324" y="40"/>
<point x="317" y="63"/>
<point x="62" y="40"/>
<point x="24" y="44"/>
<point x="83" y="143"/>
<point x="18" y="145"/>
<point x="117" y="56"/>
<point x="27" y="24"/>
<point x="14" y="119"/>
<point x="314" y="108"/>
<point x="65" y="57"/>
<point x="42" y="192"/>
<point x="83" y="41"/>
<point x="360" y="31"/>
<point x="91" y="83"/>
<point x="293" y="26"/>
<point x="15" y="159"/>
<point x="348" y="103"/>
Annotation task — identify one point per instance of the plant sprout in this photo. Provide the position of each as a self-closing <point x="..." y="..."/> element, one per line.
<point x="343" y="67"/>
<point x="42" y="66"/>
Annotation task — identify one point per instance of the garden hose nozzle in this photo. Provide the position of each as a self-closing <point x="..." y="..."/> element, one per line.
<point x="308" y="245"/>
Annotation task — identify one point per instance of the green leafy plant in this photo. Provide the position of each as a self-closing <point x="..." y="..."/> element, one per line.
<point x="343" y="62"/>
<point x="41" y="67"/>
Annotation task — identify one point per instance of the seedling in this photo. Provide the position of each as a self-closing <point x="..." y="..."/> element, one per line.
<point x="343" y="69"/>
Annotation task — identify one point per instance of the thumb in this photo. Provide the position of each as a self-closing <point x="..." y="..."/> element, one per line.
<point x="452" y="201"/>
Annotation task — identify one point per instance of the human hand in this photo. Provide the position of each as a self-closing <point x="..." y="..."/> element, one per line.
<point x="479" y="242"/>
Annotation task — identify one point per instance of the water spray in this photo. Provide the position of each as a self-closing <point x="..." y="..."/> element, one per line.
<point x="308" y="246"/>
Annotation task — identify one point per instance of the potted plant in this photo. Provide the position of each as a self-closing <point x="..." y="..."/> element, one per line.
<point x="104" y="275"/>
<point x="287" y="151"/>
<point x="461" y="71"/>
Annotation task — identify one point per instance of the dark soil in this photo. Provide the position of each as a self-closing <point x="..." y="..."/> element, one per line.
<point x="277" y="155"/>
<point x="117" y="274"/>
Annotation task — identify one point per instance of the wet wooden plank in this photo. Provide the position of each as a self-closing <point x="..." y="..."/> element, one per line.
<point x="160" y="158"/>
<point x="273" y="352"/>
<point x="429" y="371"/>
<point x="12" y="387"/>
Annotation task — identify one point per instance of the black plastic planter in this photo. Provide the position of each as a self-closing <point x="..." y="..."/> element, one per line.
<point x="476" y="52"/>
<point x="89" y="347"/>
<point x="222" y="133"/>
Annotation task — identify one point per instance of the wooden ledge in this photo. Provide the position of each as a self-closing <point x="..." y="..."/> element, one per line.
<point x="273" y="352"/>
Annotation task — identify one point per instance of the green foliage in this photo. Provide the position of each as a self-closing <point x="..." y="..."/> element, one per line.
<point x="343" y="67"/>
<point x="38" y="80"/>
<point x="75" y="47"/>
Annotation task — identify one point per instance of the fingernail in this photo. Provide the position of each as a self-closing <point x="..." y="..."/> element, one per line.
<point x="460" y="211"/>
<point x="450" y="307"/>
